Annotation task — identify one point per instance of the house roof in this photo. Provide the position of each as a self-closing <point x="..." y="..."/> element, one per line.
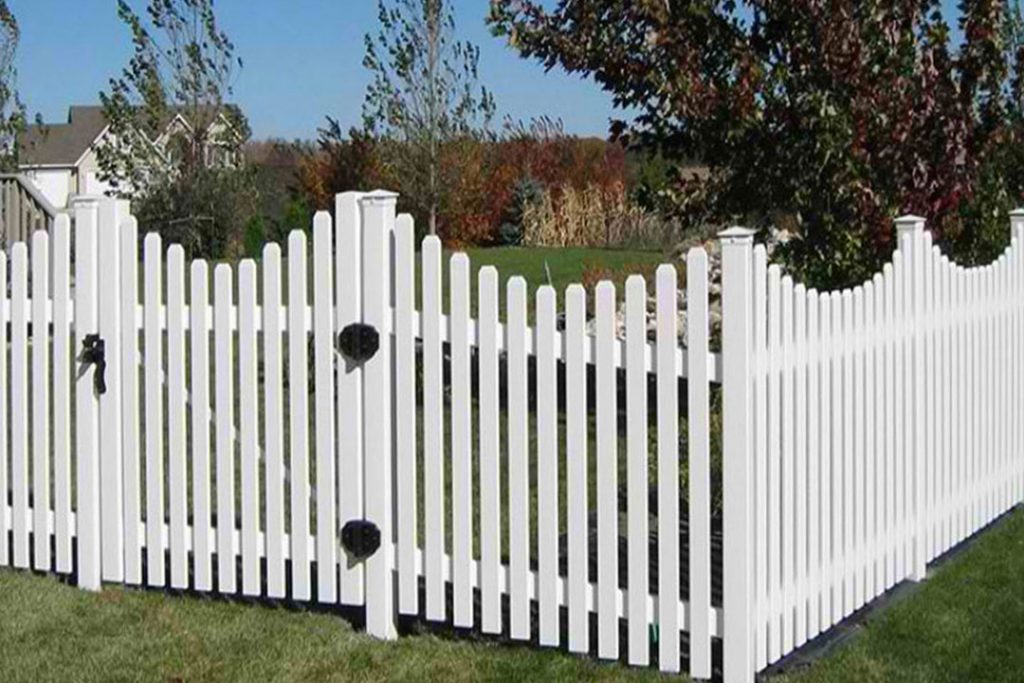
<point x="62" y="144"/>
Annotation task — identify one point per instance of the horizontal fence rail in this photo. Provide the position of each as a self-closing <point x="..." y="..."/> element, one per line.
<point x="545" y="468"/>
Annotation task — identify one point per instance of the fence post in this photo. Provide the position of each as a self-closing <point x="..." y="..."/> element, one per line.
<point x="87" y="400"/>
<point x="910" y="230"/>
<point x="737" y="343"/>
<point x="112" y="212"/>
<point x="378" y="223"/>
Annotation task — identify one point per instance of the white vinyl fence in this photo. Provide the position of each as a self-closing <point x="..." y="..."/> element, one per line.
<point x="488" y="462"/>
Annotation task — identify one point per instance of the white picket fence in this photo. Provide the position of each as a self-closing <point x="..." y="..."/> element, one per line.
<point x="864" y="433"/>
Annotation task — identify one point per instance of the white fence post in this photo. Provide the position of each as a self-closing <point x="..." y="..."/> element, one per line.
<point x="87" y="424"/>
<point x="111" y="213"/>
<point x="910" y="230"/>
<point x="737" y="337"/>
<point x="378" y="211"/>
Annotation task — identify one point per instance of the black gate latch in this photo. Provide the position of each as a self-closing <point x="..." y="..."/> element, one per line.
<point x="94" y="351"/>
<point x="360" y="538"/>
<point x="359" y="342"/>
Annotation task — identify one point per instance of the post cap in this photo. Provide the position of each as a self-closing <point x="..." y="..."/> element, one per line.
<point x="378" y="197"/>
<point x="1017" y="214"/>
<point x="736" y="235"/>
<point x="909" y="223"/>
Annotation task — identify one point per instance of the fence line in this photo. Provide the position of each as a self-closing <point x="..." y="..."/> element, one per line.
<point x="864" y="433"/>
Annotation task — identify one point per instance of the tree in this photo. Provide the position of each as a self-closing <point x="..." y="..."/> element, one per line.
<point x="423" y="95"/>
<point x="830" y="116"/>
<point x="12" y="111"/>
<point x="183" y="65"/>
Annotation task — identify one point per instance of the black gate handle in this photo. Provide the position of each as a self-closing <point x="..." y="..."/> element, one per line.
<point x="94" y="352"/>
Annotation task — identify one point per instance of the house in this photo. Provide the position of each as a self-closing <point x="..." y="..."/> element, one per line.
<point x="60" y="159"/>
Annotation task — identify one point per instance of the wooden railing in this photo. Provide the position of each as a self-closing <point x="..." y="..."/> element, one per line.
<point x="23" y="209"/>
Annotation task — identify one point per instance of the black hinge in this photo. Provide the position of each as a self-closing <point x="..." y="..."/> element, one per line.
<point x="360" y="538"/>
<point x="94" y="352"/>
<point x="359" y="342"/>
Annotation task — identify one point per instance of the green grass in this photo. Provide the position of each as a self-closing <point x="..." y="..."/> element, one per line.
<point x="965" y="623"/>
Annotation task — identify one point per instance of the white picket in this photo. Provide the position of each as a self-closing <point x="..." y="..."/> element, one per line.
<point x="153" y="347"/>
<point x="576" y="467"/>
<point x="669" y="617"/>
<point x="800" y="483"/>
<point x="5" y="305"/>
<point x="19" y="405"/>
<point x="323" y="361"/>
<point x="131" y="453"/>
<point x="547" y="468"/>
<point x="825" y="404"/>
<point x="461" y="435"/>
<point x="177" y="446"/>
<point x="224" y="440"/>
<point x="298" y="416"/>
<point x="62" y="373"/>
<point x="518" y="461"/>
<point x="837" y="469"/>
<point x="349" y="298"/>
<point x="760" y="391"/>
<point x="848" y="509"/>
<point x="856" y="543"/>
<point x="787" y="465"/>
<point x="199" y="350"/>
<point x="814" y="455"/>
<point x="405" y="417"/>
<point x="607" y="476"/>
<point x="273" y="443"/>
<point x="698" y="455"/>
<point x="890" y="413"/>
<point x="490" y="452"/>
<point x="433" y="431"/>
<point x="87" y="425"/>
<point x="248" y="417"/>
<point x="636" y="464"/>
<point x="111" y="213"/>
<point x="874" y="434"/>
<point x="899" y="411"/>
<point x="40" y="263"/>
<point x="774" y="490"/>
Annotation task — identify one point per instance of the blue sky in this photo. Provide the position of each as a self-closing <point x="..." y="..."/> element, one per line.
<point x="303" y="61"/>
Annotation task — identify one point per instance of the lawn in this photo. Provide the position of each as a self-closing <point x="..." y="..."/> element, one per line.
<point x="965" y="623"/>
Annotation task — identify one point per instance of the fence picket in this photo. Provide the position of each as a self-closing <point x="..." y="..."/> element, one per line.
<point x="891" y="411"/>
<point x="490" y="452"/>
<point x="199" y="338"/>
<point x="19" y="404"/>
<point x="847" y="508"/>
<point x="433" y="431"/>
<point x="153" y="341"/>
<point x="814" y="453"/>
<point x="518" y="462"/>
<point x="800" y="464"/>
<point x="131" y="453"/>
<point x="547" y="468"/>
<point x="699" y="466"/>
<point x="774" y="435"/>
<point x="177" y="452"/>
<point x="248" y="387"/>
<point x="40" y="263"/>
<point x="5" y="306"/>
<point x="87" y="426"/>
<point x="405" y="418"/>
<point x="462" y="451"/>
<point x="875" y="396"/>
<point x="607" y="476"/>
<point x="224" y="404"/>
<point x="787" y="464"/>
<point x="856" y="543"/>
<point x="838" y="395"/>
<point x="760" y="391"/>
<point x="62" y="369"/>
<point x="636" y="458"/>
<point x="349" y="298"/>
<point x="274" y="474"/>
<point x="576" y="468"/>
<point x="323" y="396"/>
<point x="298" y="416"/>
